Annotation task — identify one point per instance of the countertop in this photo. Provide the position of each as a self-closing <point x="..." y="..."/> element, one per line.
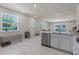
<point x="57" y="33"/>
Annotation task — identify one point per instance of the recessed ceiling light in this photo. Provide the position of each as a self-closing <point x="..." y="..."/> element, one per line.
<point x="34" y="6"/>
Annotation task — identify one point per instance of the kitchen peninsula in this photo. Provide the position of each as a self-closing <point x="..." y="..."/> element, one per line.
<point x="60" y="41"/>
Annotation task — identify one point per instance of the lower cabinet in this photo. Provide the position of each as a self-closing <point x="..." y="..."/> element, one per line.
<point x="54" y="42"/>
<point x="64" y="43"/>
<point x="61" y="42"/>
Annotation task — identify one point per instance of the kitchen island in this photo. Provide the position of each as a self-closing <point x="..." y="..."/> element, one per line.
<point x="60" y="41"/>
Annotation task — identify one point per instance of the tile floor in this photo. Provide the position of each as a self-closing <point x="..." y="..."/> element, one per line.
<point x="30" y="47"/>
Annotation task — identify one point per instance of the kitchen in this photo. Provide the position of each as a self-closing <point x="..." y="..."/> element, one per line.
<point x="57" y="23"/>
<point x="62" y="36"/>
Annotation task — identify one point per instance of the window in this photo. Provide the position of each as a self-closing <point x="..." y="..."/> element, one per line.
<point x="9" y="23"/>
<point x="60" y="28"/>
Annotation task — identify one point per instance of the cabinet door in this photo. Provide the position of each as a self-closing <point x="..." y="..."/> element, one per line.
<point x="71" y="45"/>
<point x="54" y="41"/>
<point x="64" y="43"/>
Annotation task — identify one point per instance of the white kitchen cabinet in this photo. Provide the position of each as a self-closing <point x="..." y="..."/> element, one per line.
<point x="54" y="41"/>
<point x="71" y="44"/>
<point x="64" y="43"/>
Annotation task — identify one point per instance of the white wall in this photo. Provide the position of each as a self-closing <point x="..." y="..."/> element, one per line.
<point x="26" y="23"/>
<point x="35" y="26"/>
<point x="38" y="27"/>
<point x="69" y="25"/>
<point x="77" y="18"/>
<point x="44" y="25"/>
<point x="23" y="23"/>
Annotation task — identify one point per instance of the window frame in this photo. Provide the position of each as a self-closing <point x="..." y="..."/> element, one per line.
<point x="60" y="28"/>
<point x="4" y="13"/>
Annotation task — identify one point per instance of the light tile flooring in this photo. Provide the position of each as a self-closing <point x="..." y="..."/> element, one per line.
<point x="30" y="47"/>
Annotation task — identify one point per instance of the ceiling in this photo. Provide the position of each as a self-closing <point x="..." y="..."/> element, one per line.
<point x="50" y="12"/>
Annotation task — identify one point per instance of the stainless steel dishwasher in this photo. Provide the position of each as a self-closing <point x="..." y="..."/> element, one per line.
<point x="45" y="39"/>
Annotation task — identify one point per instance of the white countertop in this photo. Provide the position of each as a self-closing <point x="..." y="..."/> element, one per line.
<point x="56" y="33"/>
<point x="46" y="32"/>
